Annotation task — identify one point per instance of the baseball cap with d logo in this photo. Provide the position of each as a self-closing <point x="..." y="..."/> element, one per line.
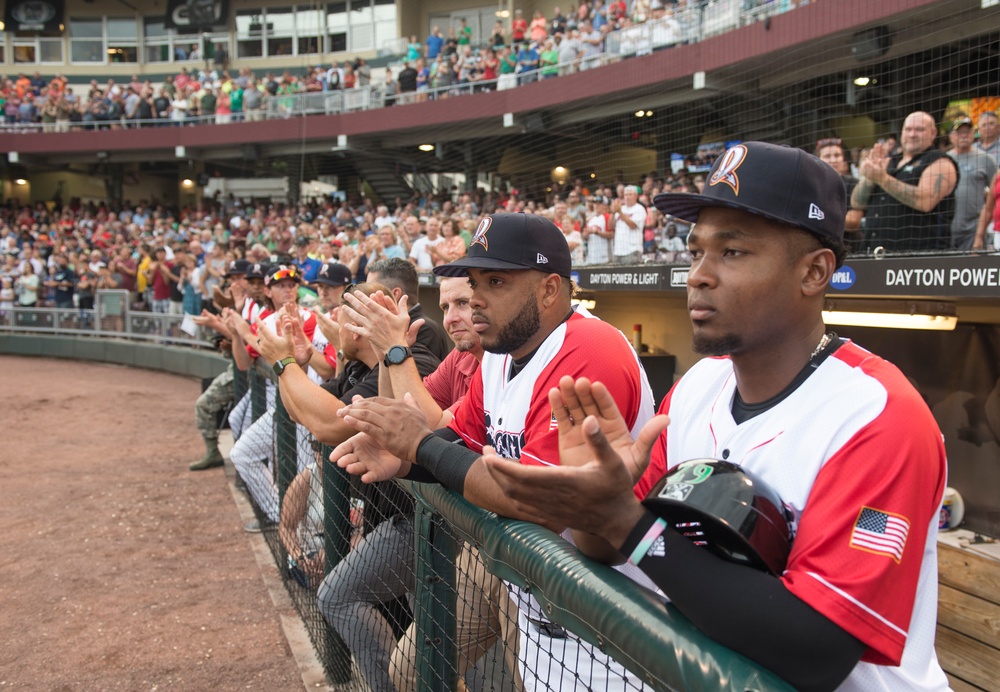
<point x="777" y="182"/>
<point x="514" y="241"/>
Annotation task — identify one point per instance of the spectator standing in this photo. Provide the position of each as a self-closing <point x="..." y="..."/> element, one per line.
<point x="527" y="63"/>
<point x="591" y="39"/>
<point x="908" y="197"/>
<point x="407" y="83"/>
<point x="976" y="169"/>
<point x="518" y="29"/>
<point x="989" y="135"/>
<point x="557" y="25"/>
<point x="161" y="105"/>
<point x="158" y="276"/>
<point x="831" y="152"/>
<point x="629" y="219"/>
<point x="208" y="103"/>
<point x="422" y="248"/>
<point x="389" y="88"/>
<point x="28" y="283"/>
<point x="598" y="232"/>
<point x="145" y="109"/>
<point x="464" y="33"/>
<point x="570" y="51"/>
<point x="253" y="102"/>
<point x="223" y="108"/>
<point x="538" y="30"/>
<point x="989" y="215"/>
<point x="548" y="59"/>
<point x="63" y="281"/>
<point x="434" y="44"/>
<point x="413" y="49"/>
<point x="498" y="39"/>
<point x="363" y="71"/>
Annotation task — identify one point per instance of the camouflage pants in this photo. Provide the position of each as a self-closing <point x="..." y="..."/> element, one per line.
<point x="218" y="395"/>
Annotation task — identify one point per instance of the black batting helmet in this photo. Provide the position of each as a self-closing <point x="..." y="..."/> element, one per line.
<point x="728" y="510"/>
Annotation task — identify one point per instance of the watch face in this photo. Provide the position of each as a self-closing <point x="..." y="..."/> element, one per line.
<point x="396" y="355"/>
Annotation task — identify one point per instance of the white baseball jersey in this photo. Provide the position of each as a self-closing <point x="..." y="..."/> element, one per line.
<point x="513" y="415"/>
<point x="857" y="455"/>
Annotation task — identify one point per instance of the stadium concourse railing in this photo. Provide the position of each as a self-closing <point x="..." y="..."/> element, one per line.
<point x="686" y="25"/>
<point x="655" y="643"/>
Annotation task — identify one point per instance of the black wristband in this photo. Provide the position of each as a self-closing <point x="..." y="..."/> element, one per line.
<point x="418" y="474"/>
<point x="637" y="533"/>
<point x="447" y="461"/>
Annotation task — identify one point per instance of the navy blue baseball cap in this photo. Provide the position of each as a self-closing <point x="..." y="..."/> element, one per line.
<point x="514" y="241"/>
<point x="237" y="267"/>
<point x="776" y="182"/>
<point x="334" y="274"/>
<point x="258" y="270"/>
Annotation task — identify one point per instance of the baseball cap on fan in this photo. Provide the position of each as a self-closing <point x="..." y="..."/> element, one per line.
<point x="512" y="241"/>
<point x="776" y="182"/>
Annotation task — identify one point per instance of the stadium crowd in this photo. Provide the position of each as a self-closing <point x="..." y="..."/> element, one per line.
<point x="171" y="260"/>
<point x="441" y="66"/>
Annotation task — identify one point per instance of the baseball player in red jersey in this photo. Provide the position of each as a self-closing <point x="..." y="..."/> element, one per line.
<point x="840" y="433"/>
<point x="518" y="267"/>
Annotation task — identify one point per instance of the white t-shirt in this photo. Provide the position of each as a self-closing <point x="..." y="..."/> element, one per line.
<point x="628" y="240"/>
<point x="598" y="248"/>
<point x="419" y="252"/>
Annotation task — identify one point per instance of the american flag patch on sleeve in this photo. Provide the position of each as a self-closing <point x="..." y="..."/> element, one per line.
<point x="880" y="532"/>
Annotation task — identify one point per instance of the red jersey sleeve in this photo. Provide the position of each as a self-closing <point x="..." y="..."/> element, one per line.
<point x="594" y="350"/>
<point x="330" y="354"/>
<point x="658" y="456"/>
<point x="862" y="536"/>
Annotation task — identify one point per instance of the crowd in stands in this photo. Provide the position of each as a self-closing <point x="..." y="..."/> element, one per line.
<point x="172" y="259"/>
<point x="524" y="52"/>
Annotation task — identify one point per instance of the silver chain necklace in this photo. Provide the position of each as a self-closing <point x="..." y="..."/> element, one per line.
<point x="823" y="343"/>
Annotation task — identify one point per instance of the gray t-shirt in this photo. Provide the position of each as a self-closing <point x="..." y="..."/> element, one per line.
<point x="975" y="170"/>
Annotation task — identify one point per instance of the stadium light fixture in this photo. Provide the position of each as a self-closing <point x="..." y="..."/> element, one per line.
<point x="187" y="182"/>
<point x="891" y="314"/>
<point x="862" y="81"/>
<point x="426" y="147"/>
<point x="640" y="114"/>
<point x="21" y="181"/>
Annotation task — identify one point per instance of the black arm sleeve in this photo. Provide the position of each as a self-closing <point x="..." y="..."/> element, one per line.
<point x="750" y="612"/>
<point x="445" y="459"/>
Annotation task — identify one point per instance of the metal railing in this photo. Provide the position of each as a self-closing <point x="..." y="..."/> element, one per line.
<point x="111" y="317"/>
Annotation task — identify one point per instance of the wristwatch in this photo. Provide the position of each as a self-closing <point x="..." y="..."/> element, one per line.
<point x="280" y="366"/>
<point x="396" y="355"/>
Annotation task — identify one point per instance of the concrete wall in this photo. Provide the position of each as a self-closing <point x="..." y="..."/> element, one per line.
<point x="172" y="359"/>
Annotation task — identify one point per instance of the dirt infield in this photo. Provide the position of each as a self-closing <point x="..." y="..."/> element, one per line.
<point x="119" y="568"/>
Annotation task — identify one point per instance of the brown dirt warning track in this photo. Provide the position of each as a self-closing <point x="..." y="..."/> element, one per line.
<point x="119" y="568"/>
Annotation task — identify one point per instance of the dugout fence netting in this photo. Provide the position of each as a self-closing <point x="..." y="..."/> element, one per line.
<point x="657" y="113"/>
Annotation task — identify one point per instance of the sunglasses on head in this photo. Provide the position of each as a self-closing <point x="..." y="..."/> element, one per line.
<point x="286" y="273"/>
<point x="830" y="142"/>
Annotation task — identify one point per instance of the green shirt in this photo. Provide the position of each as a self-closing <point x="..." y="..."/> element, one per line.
<point x="548" y="61"/>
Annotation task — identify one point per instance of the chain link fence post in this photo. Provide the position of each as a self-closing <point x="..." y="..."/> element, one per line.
<point x="435" y="598"/>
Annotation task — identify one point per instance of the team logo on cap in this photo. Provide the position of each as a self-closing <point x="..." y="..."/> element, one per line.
<point x="480" y="237"/>
<point x="256" y="268"/>
<point x="325" y="271"/>
<point x="726" y="172"/>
